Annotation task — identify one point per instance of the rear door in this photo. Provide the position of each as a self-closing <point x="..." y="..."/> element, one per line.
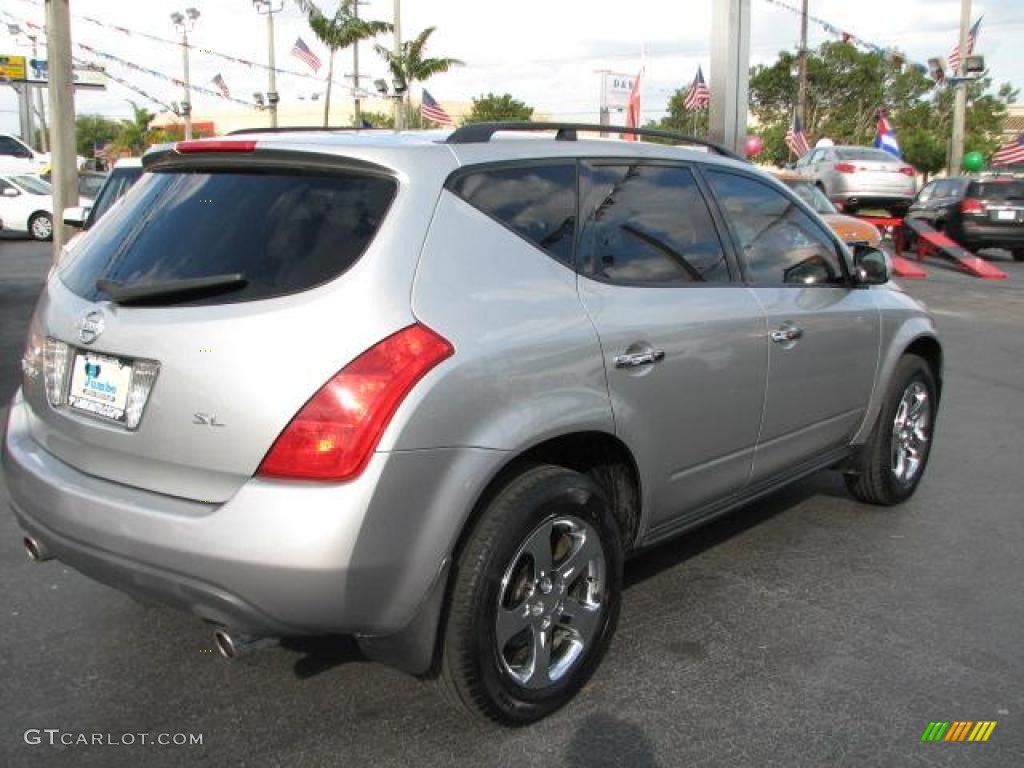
<point x="683" y="341"/>
<point x="823" y="334"/>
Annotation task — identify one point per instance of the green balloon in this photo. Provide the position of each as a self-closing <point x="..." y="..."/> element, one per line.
<point x="974" y="162"/>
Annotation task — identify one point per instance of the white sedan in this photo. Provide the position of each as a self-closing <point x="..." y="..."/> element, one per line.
<point x="26" y="205"/>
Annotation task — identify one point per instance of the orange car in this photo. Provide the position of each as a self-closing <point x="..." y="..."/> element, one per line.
<point x="849" y="228"/>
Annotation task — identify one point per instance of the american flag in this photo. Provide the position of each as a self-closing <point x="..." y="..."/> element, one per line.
<point x="699" y="95"/>
<point x="218" y="81"/>
<point x="954" y="55"/>
<point x="301" y="51"/>
<point x="1011" y="153"/>
<point x="431" y="110"/>
<point x="796" y="139"/>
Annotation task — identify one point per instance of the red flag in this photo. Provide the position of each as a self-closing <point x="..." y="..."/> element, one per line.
<point x="633" y="109"/>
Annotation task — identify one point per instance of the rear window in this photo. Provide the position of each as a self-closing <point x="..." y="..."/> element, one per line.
<point x="866" y="154"/>
<point x="282" y="232"/>
<point x="536" y="202"/>
<point x="997" y="190"/>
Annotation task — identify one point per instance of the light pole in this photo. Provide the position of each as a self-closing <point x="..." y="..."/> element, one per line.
<point x="266" y="7"/>
<point x="801" y="99"/>
<point x="400" y="99"/>
<point x="960" y="106"/>
<point x="185" y="23"/>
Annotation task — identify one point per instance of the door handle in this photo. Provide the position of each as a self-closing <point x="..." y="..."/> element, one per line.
<point x="637" y="359"/>
<point x="787" y="333"/>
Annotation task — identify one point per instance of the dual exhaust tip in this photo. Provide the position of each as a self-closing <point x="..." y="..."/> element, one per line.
<point x="230" y="645"/>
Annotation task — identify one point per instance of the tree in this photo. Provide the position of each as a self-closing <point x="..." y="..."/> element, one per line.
<point x="681" y="120"/>
<point x="379" y="119"/>
<point x="493" y="108"/>
<point x="847" y="86"/>
<point x="410" y="66"/>
<point x="91" y="130"/>
<point x="342" y="30"/>
<point x="135" y="134"/>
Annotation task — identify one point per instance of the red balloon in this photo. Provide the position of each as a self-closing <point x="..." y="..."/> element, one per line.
<point x="753" y="146"/>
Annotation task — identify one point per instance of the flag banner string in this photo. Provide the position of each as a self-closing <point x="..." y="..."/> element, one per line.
<point x="832" y="29"/>
<point x="130" y="86"/>
<point x="167" y="41"/>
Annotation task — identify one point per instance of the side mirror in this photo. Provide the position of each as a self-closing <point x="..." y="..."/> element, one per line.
<point x="11" y="192"/>
<point x="75" y="217"/>
<point x="871" y="266"/>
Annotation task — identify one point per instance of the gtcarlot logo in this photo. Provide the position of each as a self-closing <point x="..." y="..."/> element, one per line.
<point x="56" y="737"/>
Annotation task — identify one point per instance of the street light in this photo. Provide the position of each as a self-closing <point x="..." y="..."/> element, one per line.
<point x="185" y="23"/>
<point x="266" y="8"/>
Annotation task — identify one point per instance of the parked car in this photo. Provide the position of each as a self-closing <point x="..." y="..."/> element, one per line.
<point x="89" y="182"/>
<point x="118" y="181"/>
<point x="861" y="177"/>
<point x="432" y="390"/>
<point x="17" y="157"/>
<point x="976" y="212"/>
<point x="26" y="204"/>
<point x="850" y="229"/>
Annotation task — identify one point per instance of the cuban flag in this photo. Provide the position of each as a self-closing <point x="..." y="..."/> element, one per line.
<point x="885" y="136"/>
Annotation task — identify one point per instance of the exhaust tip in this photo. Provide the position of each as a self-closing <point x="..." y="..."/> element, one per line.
<point x="226" y="646"/>
<point x="36" y="550"/>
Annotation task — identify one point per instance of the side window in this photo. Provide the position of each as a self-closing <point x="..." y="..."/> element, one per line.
<point x="926" y="194"/>
<point x="780" y="243"/>
<point x="649" y="224"/>
<point x="536" y="202"/>
<point x="944" y="189"/>
<point x="9" y="146"/>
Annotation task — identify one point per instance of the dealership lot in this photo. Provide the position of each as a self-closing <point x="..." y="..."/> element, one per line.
<point x="806" y="629"/>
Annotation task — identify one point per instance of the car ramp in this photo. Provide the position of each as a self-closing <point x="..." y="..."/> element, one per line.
<point x="931" y="242"/>
<point x="901" y="266"/>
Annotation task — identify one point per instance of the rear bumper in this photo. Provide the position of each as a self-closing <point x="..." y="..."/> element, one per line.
<point x="982" y="234"/>
<point x="278" y="558"/>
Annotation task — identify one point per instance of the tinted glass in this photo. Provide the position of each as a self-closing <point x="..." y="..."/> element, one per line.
<point x="9" y="146"/>
<point x="537" y="202"/>
<point x="90" y="185"/>
<point x="650" y="224"/>
<point x="812" y="195"/>
<point x="926" y="193"/>
<point x="866" y="154"/>
<point x="1001" y="191"/>
<point x="780" y="243"/>
<point x="33" y="185"/>
<point x="283" y="233"/>
<point x="119" y="182"/>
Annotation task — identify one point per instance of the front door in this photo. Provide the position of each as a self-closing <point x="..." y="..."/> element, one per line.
<point x="681" y="337"/>
<point x="823" y="333"/>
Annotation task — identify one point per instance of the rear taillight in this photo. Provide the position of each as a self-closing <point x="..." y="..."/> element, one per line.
<point x="971" y="205"/>
<point x="908" y="170"/>
<point x="846" y="168"/>
<point x="214" y="145"/>
<point x="334" y="434"/>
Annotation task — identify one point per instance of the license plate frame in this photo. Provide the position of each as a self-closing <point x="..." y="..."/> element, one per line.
<point x="1005" y="215"/>
<point x="103" y="391"/>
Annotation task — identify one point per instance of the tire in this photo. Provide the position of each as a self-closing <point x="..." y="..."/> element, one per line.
<point x="496" y="580"/>
<point x="894" y="459"/>
<point x="898" y="211"/>
<point x="1018" y="254"/>
<point x="40" y="226"/>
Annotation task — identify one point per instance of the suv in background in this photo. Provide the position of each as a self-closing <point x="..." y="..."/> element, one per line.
<point x="861" y="177"/>
<point x="986" y="212"/>
<point x="118" y="181"/>
<point x="431" y="390"/>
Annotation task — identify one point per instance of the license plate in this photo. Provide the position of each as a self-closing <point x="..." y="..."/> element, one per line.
<point x="1006" y="215"/>
<point x="100" y="384"/>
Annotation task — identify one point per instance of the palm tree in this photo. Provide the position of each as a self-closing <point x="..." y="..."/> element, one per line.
<point x="409" y="66"/>
<point x="342" y="30"/>
<point x="134" y="135"/>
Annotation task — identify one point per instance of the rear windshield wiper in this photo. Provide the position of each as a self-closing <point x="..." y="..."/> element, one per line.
<point x="171" y="291"/>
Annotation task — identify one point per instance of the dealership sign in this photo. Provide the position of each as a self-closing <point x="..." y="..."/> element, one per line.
<point x="616" y="89"/>
<point x="19" y="69"/>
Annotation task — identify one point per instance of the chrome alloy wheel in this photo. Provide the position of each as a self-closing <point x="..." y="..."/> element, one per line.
<point x="551" y="601"/>
<point x="911" y="431"/>
<point x="42" y="227"/>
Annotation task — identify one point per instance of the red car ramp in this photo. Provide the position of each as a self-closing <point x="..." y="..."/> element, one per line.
<point x="931" y="242"/>
<point x="901" y="267"/>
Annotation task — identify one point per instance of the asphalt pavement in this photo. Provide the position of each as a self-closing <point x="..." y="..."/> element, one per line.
<point x="804" y="630"/>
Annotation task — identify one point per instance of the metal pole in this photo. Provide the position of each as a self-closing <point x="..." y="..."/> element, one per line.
<point x="730" y="54"/>
<point x="801" y="102"/>
<point x="357" y="114"/>
<point x="272" y="96"/>
<point x="186" y="105"/>
<point x="327" y="99"/>
<point x="24" y="110"/>
<point x="605" y="115"/>
<point x="960" y="107"/>
<point x="43" y="138"/>
<point x="62" y="118"/>
<point x="399" y="98"/>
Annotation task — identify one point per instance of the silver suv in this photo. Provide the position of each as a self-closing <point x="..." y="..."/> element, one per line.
<point x="432" y="390"/>
<point x="861" y="177"/>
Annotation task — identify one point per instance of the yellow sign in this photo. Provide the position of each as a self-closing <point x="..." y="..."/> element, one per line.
<point x="12" y="67"/>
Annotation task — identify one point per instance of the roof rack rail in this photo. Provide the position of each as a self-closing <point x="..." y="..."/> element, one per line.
<point x="480" y="133"/>
<point x="301" y="129"/>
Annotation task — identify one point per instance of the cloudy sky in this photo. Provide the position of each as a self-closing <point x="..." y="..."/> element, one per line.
<point x="544" y="52"/>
